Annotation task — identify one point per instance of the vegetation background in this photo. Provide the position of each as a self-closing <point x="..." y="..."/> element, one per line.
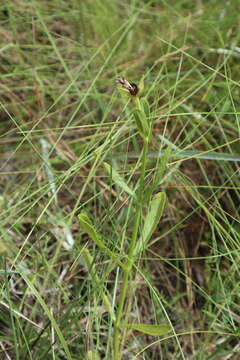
<point x="61" y="119"/>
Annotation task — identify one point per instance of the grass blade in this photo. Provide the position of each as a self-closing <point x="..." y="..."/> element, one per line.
<point x="154" y="330"/>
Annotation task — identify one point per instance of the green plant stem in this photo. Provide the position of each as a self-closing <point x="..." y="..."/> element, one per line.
<point x="130" y="258"/>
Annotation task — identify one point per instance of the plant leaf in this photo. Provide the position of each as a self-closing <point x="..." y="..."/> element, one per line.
<point x="88" y="227"/>
<point x="145" y="107"/>
<point x="210" y="155"/>
<point x="8" y="272"/>
<point x="141" y="122"/>
<point x="154" y="330"/>
<point x="151" y="221"/>
<point x="118" y="179"/>
<point x="141" y="86"/>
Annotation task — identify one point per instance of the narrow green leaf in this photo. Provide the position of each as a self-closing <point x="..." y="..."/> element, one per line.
<point x="141" y="86"/>
<point x="141" y="122"/>
<point x="138" y="122"/>
<point x="154" y="215"/>
<point x="210" y="155"/>
<point x="118" y="179"/>
<point x="151" y="221"/>
<point x="145" y="107"/>
<point x="8" y="272"/>
<point x="154" y="330"/>
<point x="88" y="227"/>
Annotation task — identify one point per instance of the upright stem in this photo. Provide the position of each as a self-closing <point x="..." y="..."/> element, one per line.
<point x="130" y="257"/>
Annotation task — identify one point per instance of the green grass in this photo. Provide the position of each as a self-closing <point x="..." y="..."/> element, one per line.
<point x="132" y="277"/>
